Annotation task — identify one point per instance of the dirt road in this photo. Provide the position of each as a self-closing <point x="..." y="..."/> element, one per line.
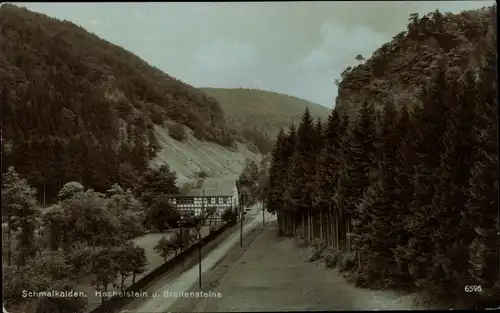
<point x="161" y="301"/>
<point x="274" y="275"/>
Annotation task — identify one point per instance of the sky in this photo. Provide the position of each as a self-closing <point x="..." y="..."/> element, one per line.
<point x="296" y="48"/>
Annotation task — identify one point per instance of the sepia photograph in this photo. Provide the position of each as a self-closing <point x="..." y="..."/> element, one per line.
<point x="249" y="156"/>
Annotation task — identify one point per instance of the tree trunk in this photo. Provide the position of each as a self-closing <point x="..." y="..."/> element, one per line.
<point x="285" y="223"/>
<point x="337" y="232"/>
<point x="306" y="229"/>
<point x="321" y="225"/>
<point x="331" y="241"/>
<point x="310" y="225"/>
<point x="9" y="238"/>
<point x="122" y="282"/>
<point x="289" y="224"/>
<point x="105" y="289"/>
<point x="341" y="225"/>
<point x="303" y="228"/>
<point x="330" y="228"/>
<point x="44" y="205"/>
<point x="286" y="218"/>
<point x="327" y="230"/>
<point x="348" y="241"/>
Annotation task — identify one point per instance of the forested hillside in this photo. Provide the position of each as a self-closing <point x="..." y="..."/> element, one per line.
<point x="78" y="108"/>
<point x="404" y="194"/>
<point x="259" y="114"/>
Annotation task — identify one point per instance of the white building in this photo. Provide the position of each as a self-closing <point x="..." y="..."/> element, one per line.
<point x="218" y="193"/>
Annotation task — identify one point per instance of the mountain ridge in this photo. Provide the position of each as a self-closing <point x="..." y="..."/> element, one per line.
<point x="262" y="112"/>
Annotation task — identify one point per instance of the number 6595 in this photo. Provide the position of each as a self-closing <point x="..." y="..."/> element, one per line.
<point x="473" y="288"/>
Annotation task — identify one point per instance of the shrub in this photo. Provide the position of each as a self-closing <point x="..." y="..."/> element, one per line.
<point x="202" y="174"/>
<point x="229" y="216"/>
<point x="177" y="131"/>
<point x="200" y="133"/>
<point x="332" y="258"/>
<point x="301" y="242"/>
<point x="319" y="248"/>
<point x="165" y="246"/>
<point x="157" y="114"/>
<point x="347" y="261"/>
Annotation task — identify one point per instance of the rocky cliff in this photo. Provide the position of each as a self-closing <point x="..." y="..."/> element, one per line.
<point x="399" y="70"/>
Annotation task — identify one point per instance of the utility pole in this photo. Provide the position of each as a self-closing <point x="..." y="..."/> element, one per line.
<point x="199" y="259"/>
<point x="262" y="207"/>
<point x="181" y="241"/>
<point x="263" y="221"/>
<point x="240" y="207"/>
<point x="198" y="230"/>
<point x="241" y="221"/>
<point x="200" y="218"/>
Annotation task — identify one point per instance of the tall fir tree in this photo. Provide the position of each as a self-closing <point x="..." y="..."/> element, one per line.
<point x="380" y="233"/>
<point x="430" y="128"/>
<point x="482" y="203"/>
<point x="404" y="162"/>
<point x="357" y="174"/>
<point x="451" y="177"/>
<point x="288" y="154"/>
<point x="303" y="171"/>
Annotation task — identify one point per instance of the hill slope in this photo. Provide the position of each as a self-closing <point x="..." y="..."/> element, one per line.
<point x="264" y="110"/>
<point x="76" y="107"/>
<point x="400" y="70"/>
<point x="192" y="156"/>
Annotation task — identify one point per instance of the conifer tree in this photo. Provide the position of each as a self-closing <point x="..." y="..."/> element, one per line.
<point x="430" y="128"/>
<point x="275" y="179"/>
<point x="452" y="178"/>
<point x="290" y="145"/>
<point x="327" y="173"/>
<point x="404" y="162"/>
<point x="380" y="232"/>
<point x="278" y="177"/>
<point x="482" y="203"/>
<point x="357" y="174"/>
<point x="302" y="172"/>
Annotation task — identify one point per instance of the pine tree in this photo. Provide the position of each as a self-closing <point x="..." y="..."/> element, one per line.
<point x="378" y="203"/>
<point x="316" y="211"/>
<point x="327" y="175"/>
<point x="452" y="178"/>
<point x="275" y="179"/>
<point x="430" y="128"/>
<point x="482" y="203"/>
<point x="275" y="200"/>
<point x="358" y="172"/>
<point x="404" y="162"/>
<point x="290" y="147"/>
<point x="303" y="172"/>
<point x="340" y="215"/>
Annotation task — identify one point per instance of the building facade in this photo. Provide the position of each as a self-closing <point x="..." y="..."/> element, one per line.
<point x="218" y="194"/>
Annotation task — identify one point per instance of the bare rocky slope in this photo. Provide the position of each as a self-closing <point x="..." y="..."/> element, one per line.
<point x="192" y="158"/>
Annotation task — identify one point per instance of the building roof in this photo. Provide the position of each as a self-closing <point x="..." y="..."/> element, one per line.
<point x="213" y="187"/>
